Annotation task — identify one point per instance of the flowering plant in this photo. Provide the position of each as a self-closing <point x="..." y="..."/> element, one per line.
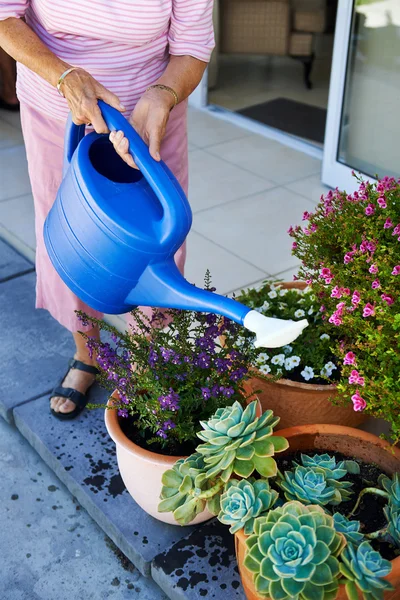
<point x="350" y="252"/>
<point x="169" y="379"/>
<point x="308" y="359"/>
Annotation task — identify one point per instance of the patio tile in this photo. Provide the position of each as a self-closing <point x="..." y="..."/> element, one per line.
<point x="227" y="270"/>
<point x="202" y="565"/>
<point x="34" y="348"/>
<point x="255" y="228"/>
<point x="9" y="135"/>
<point x="13" y="173"/>
<point x="288" y="274"/>
<point x="309" y="187"/>
<point x="267" y="158"/>
<point x="83" y="457"/>
<point x="12" y="263"/>
<point x="17" y="223"/>
<point x="213" y="181"/>
<point x="205" y="130"/>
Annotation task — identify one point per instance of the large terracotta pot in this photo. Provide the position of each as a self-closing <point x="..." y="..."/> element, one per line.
<point x="350" y="442"/>
<point x="302" y="403"/>
<point x="141" y="471"/>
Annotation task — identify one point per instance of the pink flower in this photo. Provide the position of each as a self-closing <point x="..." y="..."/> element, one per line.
<point x="336" y="292"/>
<point x="306" y="216"/>
<point x="326" y="273"/>
<point x="349" y="359"/>
<point x="370" y="210"/>
<point x="313" y="227"/>
<point x="373" y="269"/>
<point x="396" y="270"/>
<point x="355" y="378"/>
<point x="396" y="230"/>
<point x="376" y="284"/>
<point x="371" y="246"/>
<point x="388" y="224"/>
<point x="309" y="281"/>
<point x="358" y="402"/>
<point x="348" y="258"/>
<point x="387" y="299"/>
<point x="369" y="310"/>
<point x="340" y="307"/>
<point x="290" y="230"/>
<point x="346" y="291"/>
<point x="356" y="298"/>
<point x="322" y="309"/>
<point x="363" y="246"/>
<point x="382" y="202"/>
<point x="294" y="245"/>
<point x="335" y="319"/>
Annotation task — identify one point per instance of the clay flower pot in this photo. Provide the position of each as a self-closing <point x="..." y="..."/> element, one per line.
<point x="351" y="442"/>
<point x="302" y="403"/>
<point x="141" y="471"/>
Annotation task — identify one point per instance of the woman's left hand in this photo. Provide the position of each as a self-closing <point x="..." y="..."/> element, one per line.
<point x="149" y="118"/>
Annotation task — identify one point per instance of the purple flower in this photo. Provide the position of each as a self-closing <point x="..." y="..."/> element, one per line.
<point x="387" y="299"/>
<point x="370" y="210"/>
<point x="388" y="224"/>
<point x="396" y="270"/>
<point x="122" y="412"/>
<point x="373" y="269"/>
<point x="369" y="310"/>
<point x="376" y="284"/>
<point x="382" y="202"/>
<point x="206" y="393"/>
<point x="227" y="391"/>
<point x="162" y="434"/>
<point x="169" y="401"/>
<point x="222" y="364"/>
<point x="238" y="374"/>
<point x="122" y="382"/>
<point x="166" y="354"/>
<point x="168" y="424"/>
<point x="203" y="361"/>
<point x="153" y="358"/>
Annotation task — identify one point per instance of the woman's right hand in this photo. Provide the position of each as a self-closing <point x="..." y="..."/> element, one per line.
<point x="82" y="91"/>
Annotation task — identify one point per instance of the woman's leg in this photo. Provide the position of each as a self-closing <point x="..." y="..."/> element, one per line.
<point x="44" y="148"/>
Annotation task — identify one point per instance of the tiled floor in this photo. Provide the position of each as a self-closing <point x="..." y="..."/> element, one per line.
<point x="245" y="191"/>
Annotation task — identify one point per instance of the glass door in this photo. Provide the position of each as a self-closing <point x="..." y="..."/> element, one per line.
<point x="363" y="123"/>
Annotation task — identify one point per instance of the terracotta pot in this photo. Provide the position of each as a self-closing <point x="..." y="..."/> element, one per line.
<point x="302" y="403"/>
<point x="141" y="471"/>
<point x="350" y="442"/>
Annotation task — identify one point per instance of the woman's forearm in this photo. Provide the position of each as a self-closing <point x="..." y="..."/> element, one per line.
<point x="20" y="42"/>
<point x="183" y="74"/>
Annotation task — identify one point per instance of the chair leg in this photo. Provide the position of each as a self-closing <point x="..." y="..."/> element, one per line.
<point x="308" y="62"/>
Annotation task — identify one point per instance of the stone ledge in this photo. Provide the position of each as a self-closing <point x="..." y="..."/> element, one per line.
<point x="12" y="264"/>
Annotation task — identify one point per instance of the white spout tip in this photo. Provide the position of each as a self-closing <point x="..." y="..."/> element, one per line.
<point x="273" y="333"/>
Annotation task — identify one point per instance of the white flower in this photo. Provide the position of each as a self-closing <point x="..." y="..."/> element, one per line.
<point x="278" y="359"/>
<point x="265" y="369"/>
<point x="259" y="309"/>
<point x="295" y="360"/>
<point x="291" y="362"/>
<point x="240" y="340"/>
<point x="307" y="373"/>
<point x="311" y="310"/>
<point x="327" y="369"/>
<point x="299" y="313"/>
<point x="262" y="358"/>
<point x="282" y="305"/>
<point x="324" y="336"/>
<point x="266" y="305"/>
<point x="272" y="294"/>
<point x="287" y="349"/>
<point x="283" y="292"/>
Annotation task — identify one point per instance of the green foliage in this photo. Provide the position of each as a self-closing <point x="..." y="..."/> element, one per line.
<point x="312" y="485"/>
<point x="293" y="553"/>
<point x="312" y="349"/>
<point x="350" y="529"/>
<point x="239" y="442"/>
<point x="364" y="568"/>
<point x="392" y="510"/>
<point x="349" y="250"/>
<point x="243" y="501"/>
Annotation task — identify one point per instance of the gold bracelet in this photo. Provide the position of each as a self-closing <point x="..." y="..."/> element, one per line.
<point x="160" y="86"/>
<point x="62" y="77"/>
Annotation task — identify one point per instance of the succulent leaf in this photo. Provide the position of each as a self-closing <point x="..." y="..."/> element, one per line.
<point x="392" y="487"/>
<point x="366" y="568"/>
<point x="311" y="485"/>
<point x="350" y="529"/>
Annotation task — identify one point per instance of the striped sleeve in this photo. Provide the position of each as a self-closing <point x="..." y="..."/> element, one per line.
<point x="191" y="30"/>
<point x="16" y="8"/>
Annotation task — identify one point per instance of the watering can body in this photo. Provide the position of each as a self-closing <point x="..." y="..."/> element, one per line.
<point x="113" y="231"/>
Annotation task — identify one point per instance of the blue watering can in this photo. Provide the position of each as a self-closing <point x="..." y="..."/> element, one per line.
<point x="113" y="231"/>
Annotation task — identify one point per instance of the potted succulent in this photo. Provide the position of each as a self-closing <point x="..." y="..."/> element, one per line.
<point x="297" y="381"/>
<point x="165" y="380"/>
<point x="350" y="253"/>
<point x="301" y="528"/>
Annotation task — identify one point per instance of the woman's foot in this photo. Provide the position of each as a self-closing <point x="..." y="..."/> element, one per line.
<point x="77" y="380"/>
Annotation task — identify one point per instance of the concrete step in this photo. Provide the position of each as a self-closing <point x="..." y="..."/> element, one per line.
<point x="12" y="264"/>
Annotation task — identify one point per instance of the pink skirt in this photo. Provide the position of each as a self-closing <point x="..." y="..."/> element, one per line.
<point x="44" y="140"/>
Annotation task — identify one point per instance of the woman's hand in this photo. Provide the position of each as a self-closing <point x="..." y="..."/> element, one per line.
<point x="149" y="118"/>
<point x="82" y="91"/>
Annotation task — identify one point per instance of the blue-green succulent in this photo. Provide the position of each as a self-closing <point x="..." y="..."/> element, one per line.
<point x="392" y="488"/>
<point x="238" y="442"/>
<point x="364" y="568"/>
<point x="243" y="501"/>
<point x="350" y="529"/>
<point x="393" y="519"/>
<point x="293" y="553"/>
<point x="333" y="470"/>
<point x="310" y="485"/>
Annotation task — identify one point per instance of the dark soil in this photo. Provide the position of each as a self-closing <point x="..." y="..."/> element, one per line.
<point x="370" y="512"/>
<point x="128" y="426"/>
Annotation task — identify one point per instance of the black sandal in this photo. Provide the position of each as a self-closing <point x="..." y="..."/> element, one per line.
<point x="80" y="400"/>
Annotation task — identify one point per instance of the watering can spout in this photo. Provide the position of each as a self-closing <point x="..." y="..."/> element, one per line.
<point x="163" y="286"/>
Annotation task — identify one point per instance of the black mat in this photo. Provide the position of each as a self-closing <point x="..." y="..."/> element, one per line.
<point x="296" y="118"/>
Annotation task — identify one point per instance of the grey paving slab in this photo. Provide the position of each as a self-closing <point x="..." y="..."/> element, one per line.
<point x="200" y="566"/>
<point x="12" y="264"/>
<point x="82" y="455"/>
<point x="50" y="548"/>
<point x="34" y="348"/>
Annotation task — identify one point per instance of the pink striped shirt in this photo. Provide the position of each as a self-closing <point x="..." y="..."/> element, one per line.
<point x="124" y="44"/>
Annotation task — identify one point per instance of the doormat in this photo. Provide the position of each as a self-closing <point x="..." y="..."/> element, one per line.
<point x="296" y="118"/>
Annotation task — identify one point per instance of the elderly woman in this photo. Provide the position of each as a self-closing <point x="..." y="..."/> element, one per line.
<point x="143" y="57"/>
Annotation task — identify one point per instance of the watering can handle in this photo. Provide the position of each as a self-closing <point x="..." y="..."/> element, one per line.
<point x="163" y="183"/>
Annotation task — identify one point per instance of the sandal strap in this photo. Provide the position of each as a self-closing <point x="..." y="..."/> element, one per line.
<point x="81" y="366"/>
<point x="76" y="397"/>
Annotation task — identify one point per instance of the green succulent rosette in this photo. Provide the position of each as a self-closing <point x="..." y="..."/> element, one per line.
<point x="310" y="485"/>
<point x="186" y="492"/>
<point x="350" y="529"/>
<point x="243" y="501"/>
<point x="293" y="553"/>
<point x="333" y="470"/>
<point x="393" y="519"/>
<point x="392" y="488"/>
<point x="238" y="442"/>
<point x="364" y="568"/>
